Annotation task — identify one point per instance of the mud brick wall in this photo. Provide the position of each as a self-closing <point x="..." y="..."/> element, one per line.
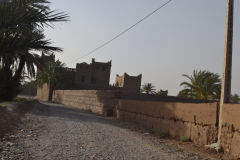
<point x="43" y="93"/>
<point x="195" y="121"/>
<point x="96" y="101"/>
<point x="230" y="132"/>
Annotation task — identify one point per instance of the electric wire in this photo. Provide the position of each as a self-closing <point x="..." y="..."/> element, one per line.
<point x="121" y="33"/>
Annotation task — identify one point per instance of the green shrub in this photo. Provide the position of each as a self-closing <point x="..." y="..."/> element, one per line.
<point x="160" y="133"/>
<point x="18" y="99"/>
<point x="185" y="139"/>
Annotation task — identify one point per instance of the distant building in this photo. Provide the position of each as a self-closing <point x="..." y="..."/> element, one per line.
<point x="94" y="75"/>
<point x="129" y="83"/>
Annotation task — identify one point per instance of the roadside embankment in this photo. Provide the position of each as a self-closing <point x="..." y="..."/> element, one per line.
<point x="10" y="115"/>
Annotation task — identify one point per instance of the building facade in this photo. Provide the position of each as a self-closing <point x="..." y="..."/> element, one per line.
<point x="95" y="75"/>
<point x="129" y="83"/>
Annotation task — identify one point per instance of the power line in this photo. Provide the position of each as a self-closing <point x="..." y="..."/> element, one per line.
<point x="121" y="33"/>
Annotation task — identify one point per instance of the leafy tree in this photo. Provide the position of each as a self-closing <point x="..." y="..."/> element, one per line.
<point x="22" y="24"/>
<point x="235" y="98"/>
<point x="201" y="85"/>
<point x="148" y="88"/>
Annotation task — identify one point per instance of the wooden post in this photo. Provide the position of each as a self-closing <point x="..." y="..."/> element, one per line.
<point x="227" y="64"/>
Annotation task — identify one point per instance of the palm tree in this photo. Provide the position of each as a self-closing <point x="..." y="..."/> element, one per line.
<point x="22" y="24"/>
<point x="148" y="88"/>
<point x="162" y="92"/>
<point x="54" y="73"/>
<point x="202" y="85"/>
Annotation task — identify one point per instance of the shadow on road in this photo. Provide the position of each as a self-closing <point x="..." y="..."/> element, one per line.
<point x="76" y="115"/>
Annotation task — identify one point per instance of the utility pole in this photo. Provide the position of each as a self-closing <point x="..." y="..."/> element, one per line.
<point x="227" y="64"/>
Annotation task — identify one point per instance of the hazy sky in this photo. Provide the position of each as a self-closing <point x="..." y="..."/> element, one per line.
<point x="183" y="36"/>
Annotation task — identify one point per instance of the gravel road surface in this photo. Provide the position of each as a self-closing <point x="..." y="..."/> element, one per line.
<point x="57" y="132"/>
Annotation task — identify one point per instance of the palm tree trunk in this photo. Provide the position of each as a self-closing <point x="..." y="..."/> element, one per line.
<point x="6" y="87"/>
<point x="6" y="71"/>
<point x="7" y="66"/>
<point x="18" y="74"/>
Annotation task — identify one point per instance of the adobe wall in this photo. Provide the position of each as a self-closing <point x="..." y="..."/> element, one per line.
<point x="230" y="132"/>
<point x="100" y="102"/>
<point x="195" y="121"/>
<point x="43" y="93"/>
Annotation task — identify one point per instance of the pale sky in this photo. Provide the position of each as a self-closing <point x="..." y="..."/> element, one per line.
<point x="183" y="36"/>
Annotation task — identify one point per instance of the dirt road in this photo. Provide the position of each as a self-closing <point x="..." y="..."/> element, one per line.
<point x="56" y="132"/>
